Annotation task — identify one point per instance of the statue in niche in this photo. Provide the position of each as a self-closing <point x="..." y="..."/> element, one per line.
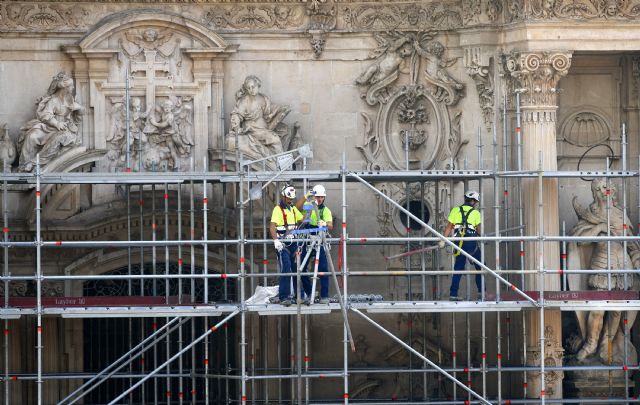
<point x="598" y="326"/>
<point x="169" y="130"/>
<point x="55" y="127"/>
<point x="7" y="148"/>
<point x="256" y="124"/>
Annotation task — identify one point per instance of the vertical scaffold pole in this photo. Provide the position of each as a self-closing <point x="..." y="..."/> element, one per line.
<point x="192" y="257"/>
<point x="345" y="297"/>
<point x="625" y="228"/>
<point x="166" y="288"/>
<point x="522" y="230"/>
<point x="541" y="277"/>
<point x="205" y="271"/>
<point x="180" y="297"/>
<point x="154" y="285"/>
<point x="5" y="272"/>
<point x="243" y="306"/>
<point x="38" y="280"/>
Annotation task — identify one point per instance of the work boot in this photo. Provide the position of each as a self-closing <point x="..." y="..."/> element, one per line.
<point x="286" y="303"/>
<point x="324" y="300"/>
<point x="455" y="298"/>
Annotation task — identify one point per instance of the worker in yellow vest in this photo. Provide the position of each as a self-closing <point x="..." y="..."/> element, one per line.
<point x="464" y="221"/>
<point x="324" y="219"/>
<point x="285" y="219"/>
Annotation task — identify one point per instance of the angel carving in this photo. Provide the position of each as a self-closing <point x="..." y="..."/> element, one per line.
<point x="117" y="138"/>
<point x="389" y="58"/>
<point x="447" y="88"/>
<point x="170" y="126"/>
<point x="149" y="41"/>
<point x="598" y="328"/>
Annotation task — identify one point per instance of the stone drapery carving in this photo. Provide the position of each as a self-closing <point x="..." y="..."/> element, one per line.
<point x="481" y="71"/>
<point x="55" y="127"/>
<point x="603" y="217"/>
<point x="538" y="74"/>
<point x="256" y="126"/>
<point x="411" y="115"/>
<point x="8" y="151"/>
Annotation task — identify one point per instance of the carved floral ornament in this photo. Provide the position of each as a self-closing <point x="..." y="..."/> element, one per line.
<point x="537" y="75"/>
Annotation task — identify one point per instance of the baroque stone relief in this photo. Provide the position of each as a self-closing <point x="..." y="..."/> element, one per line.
<point x="8" y="151"/>
<point x="586" y="127"/>
<point x="256" y="125"/>
<point x="412" y="118"/>
<point x="480" y="67"/>
<point x="554" y="354"/>
<point x="55" y="129"/>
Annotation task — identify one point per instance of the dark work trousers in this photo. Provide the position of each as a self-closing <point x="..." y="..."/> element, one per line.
<point x="473" y="249"/>
<point x="287" y="260"/>
<point x="322" y="268"/>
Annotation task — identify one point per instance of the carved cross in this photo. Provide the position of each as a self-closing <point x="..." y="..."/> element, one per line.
<point x="149" y="66"/>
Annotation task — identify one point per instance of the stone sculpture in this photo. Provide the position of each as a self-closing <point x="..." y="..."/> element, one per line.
<point x="598" y="327"/>
<point x="7" y="148"/>
<point x="55" y="127"/>
<point x="256" y="124"/>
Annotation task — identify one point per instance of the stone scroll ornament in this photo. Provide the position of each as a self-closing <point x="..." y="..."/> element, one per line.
<point x="409" y="83"/>
<point x="55" y="127"/>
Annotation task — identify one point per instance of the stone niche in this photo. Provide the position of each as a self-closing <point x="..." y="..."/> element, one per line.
<point x="173" y="69"/>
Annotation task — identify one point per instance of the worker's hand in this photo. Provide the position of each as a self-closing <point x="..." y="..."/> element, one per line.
<point x="441" y="244"/>
<point x="278" y="245"/>
<point x="309" y="194"/>
<point x="322" y="223"/>
<point x="289" y="236"/>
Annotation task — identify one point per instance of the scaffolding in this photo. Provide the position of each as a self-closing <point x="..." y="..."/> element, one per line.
<point x="171" y="318"/>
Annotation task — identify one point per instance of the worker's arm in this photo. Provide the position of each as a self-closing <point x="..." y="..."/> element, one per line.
<point x="448" y="229"/>
<point x="300" y="203"/>
<point x="479" y="230"/>
<point x="272" y="230"/>
<point x="330" y="225"/>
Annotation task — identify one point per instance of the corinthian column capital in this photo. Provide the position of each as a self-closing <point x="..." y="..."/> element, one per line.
<point x="537" y="74"/>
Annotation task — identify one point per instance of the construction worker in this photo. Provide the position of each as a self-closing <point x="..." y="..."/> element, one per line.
<point x="284" y="219"/>
<point x="324" y="219"/>
<point x="464" y="221"/>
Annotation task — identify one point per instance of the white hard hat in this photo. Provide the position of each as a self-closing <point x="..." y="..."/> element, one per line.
<point x="472" y="195"/>
<point x="288" y="191"/>
<point x="319" y="191"/>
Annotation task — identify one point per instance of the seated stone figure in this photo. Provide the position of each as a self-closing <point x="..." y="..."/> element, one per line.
<point x="254" y="122"/>
<point x="55" y="127"/>
<point x="602" y="333"/>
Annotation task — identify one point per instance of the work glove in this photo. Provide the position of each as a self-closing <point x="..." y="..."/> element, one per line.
<point x="309" y="194"/>
<point x="289" y="236"/>
<point x="278" y="244"/>
<point x="441" y="244"/>
<point x="322" y="223"/>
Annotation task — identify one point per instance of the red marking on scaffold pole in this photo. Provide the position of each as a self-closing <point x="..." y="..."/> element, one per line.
<point x="560" y="271"/>
<point x="244" y="398"/>
<point x="140" y="202"/>
<point x="466" y="402"/>
<point x="206" y="362"/>
<point x="564" y="256"/>
<point x="525" y="385"/>
<point x="344" y="225"/>
<point x="6" y="332"/>
<point x="363" y="239"/>
<point x="154" y="226"/>
<point x="224" y="168"/>
<point x="205" y="200"/>
<point x="180" y="262"/>
<point x="38" y="194"/>
<point x="522" y="253"/>
<point x="58" y="243"/>
<point x="39" y="329"/>
<point x="454" y="354"/>
<point x="466" y="370"/>
<point x="513" y="287"/>
<point x="316" y="262"/>
<point x="345" y="396"/>
<point x="484" y="355"/>
<point x="14" y="378"/>
<point x="499" y="356"/>
<point x="128" y="170"/>
<point x="507" y="402"/>
<point x="5" y="230"/>
<point x="469" y="383"/>
<point x="141" y="360"/>
<point x="241" y="259"/>
<point x="307" y="359"/>
<point x="166" y="196"/>
<point x="626" y="321"/>
<point x="518" y="130"/>
<point x="193" y="392"/>
<point x="624" y="226"/>
<point x="625" y="367"/>
<point x="541" y="393"/>
<point x="154" y="326"/>
<point x="265" y="262"/>
<point x="168" y="394"/>
<point x="321" y="376"/>
<point x="180" y="394"/>
<point x="223" y="275"/>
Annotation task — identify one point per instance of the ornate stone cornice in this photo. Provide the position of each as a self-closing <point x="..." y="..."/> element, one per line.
<point x="537" y="74"/>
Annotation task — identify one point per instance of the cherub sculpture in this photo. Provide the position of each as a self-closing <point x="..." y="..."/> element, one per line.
<point x="7" y="147"/>
<point x="255" y="123"/>
<point x="596" y="326"/>
<point x="169" y="126"/>
<point x="390" y="55"/>
<point x="55" y="127"/>
<point x="117" y="138"/>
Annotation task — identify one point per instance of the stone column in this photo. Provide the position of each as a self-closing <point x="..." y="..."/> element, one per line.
<point x="537" y="75"/>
